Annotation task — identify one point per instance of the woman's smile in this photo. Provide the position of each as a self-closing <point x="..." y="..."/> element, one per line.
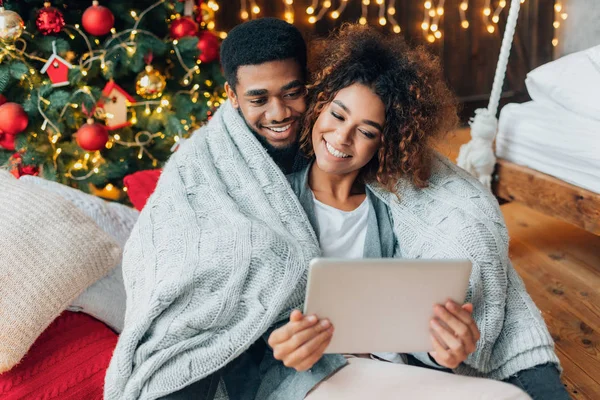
<point x="335" y="152"/>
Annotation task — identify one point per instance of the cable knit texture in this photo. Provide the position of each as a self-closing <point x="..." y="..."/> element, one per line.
<point x="105" y="299"/>
<point x="50" y="252"/>
<point x="456" y="217"/>
<point x="67" y="362"/>
<point x="221" y="251"/>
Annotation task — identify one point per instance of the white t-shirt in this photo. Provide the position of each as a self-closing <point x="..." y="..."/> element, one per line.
<point x="342" y="234"/>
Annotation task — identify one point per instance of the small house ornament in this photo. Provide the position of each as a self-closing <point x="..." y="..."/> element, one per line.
<point x="115" y="102"/>
<point x="57" y="69"/>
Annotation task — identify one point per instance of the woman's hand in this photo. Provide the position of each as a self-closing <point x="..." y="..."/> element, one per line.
<point x="454" y="333"/>
<point x="301" y="342"/>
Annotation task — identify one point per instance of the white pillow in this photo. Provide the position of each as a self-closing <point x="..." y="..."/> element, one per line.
<point x="105" y="299"/>
<point x="50" y="252"/>
<point x="572" y="82"/>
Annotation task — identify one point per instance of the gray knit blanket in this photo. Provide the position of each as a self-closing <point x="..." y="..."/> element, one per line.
<point x="220" y="253"/>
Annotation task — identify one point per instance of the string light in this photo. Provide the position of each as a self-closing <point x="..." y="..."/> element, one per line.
<point x="558" y="14"/>
<point x="432" y="15"/>
<point x="318" y="9"/>
<point x="462" y="8"/>
<point x="336" y="13"/>
<point x="288" y="14"/>
<point x="496" y="16"/>
<point x="86" y="164"/>
<point x="141" y="139"/>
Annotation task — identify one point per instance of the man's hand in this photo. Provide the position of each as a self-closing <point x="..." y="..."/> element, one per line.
<point x="301" y="342"/>
<point x="454" y="333"/>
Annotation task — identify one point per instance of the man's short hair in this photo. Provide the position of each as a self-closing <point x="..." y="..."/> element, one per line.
<point x="259" y="41"/>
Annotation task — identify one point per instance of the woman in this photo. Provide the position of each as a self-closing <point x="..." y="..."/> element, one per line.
<point x="374" y="109"/>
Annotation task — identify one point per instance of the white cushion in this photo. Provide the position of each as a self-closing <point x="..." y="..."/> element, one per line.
<point x="50" y="252"/>
<point x="572" y="82"/>
<point x="105" y="299"/>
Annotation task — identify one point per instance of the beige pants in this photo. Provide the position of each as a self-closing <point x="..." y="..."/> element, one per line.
<point x="371" y="379"/>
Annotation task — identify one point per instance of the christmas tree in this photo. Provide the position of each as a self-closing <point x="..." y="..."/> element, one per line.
<point x="92" y="92"/>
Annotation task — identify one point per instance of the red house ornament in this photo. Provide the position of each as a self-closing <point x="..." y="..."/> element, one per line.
<point x="57" y="69"/>
<point x="115" y="102"/>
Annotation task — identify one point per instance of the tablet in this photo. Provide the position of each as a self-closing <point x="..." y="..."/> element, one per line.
<point x="382" y="305"/>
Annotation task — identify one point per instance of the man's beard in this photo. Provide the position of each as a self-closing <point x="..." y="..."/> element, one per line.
<point x="284" y="156"/>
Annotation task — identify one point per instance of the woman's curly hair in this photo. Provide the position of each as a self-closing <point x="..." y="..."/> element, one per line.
<point x="418" y="104"/>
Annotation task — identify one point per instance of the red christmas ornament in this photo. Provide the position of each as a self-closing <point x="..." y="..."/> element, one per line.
<point x="92" y="136"/>
<point x="209" y="45"/>
<point x="7" y="142"/>
<point x="18" y="169"/>
<point x="2" y="99"/>
<point x="182" y="27"/>
<point x="13" y="119"/>
<point x="97" y="20"/>
<point x="49" y="20"/>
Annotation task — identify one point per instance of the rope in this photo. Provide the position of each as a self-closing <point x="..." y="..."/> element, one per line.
<point x="509" y="33"/>
<point x="477" y="157"/>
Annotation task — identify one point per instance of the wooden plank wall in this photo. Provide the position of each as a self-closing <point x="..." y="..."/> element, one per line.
<point x="469" y="56"/>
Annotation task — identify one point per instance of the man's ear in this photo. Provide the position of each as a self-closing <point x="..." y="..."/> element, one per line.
<point x="231" y="95"/>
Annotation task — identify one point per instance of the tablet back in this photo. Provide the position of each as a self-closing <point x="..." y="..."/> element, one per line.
<point x="382" y="305"/>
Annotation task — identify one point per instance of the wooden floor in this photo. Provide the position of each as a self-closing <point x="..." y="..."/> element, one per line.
<point x="560" y="265"/>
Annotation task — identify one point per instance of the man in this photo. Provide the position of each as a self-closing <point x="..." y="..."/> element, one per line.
<point x="264" y="62"/>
